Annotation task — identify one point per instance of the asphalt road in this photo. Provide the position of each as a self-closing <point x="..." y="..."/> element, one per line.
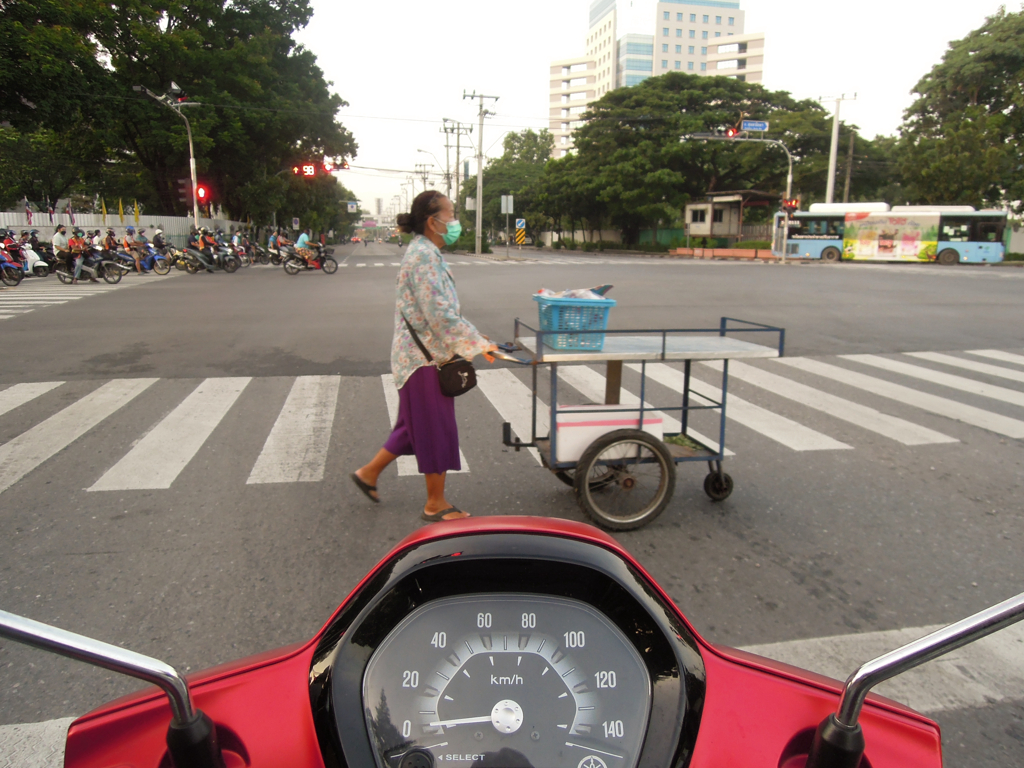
<point x="872" y="536"/>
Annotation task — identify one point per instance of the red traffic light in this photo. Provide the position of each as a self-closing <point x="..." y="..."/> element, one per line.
<point x="791" y="205"/>
<point x="202" y="193"/>
<point x="730" y="133"/>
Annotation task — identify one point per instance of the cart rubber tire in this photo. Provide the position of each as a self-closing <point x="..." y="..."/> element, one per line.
<point x="718" y="489"/>
<point x="630" y="493"/>
<point x="568" y="477"/>
<point x="330" y="266"/>
<point x="948" y="257"/>
<point x="831" y="255"/>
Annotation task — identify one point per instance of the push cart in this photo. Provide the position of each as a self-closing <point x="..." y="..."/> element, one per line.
<point x="625" y="476"/>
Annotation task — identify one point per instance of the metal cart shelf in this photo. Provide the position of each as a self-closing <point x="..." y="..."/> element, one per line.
<point x="626" y="478"/>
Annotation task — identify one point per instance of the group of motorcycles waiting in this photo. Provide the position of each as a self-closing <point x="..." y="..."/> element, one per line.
<point x="107" y="259"/>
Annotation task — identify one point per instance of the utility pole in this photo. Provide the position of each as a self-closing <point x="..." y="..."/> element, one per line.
<point x="849" y="169"/>
<point x="422" y="170"/>
<point x="479" y="166"/>
<point x="460" y="130"/>
<point x="831" y="187"/>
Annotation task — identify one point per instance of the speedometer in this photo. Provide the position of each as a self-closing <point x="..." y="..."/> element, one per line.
<point x="507" y="680"/>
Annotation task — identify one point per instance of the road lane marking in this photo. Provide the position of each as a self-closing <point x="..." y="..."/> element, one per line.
<point x="937" y="377"/>
<point x="159" y="457"/>
<point x="407" y="465"/>
<point x="970" y="365"/>
<point x="772" y="425"/>
<point x="977" y="675"/>
<point x="591" y="385"/>
<point x="296" y="448"/>
<point x="30" y="449"/>
<point x="968" y="414"/>
<point x="511" y="399"/>
<point x="20" y="394"/>
<point x="997" y="354"/>
<point x="901" y="431"/>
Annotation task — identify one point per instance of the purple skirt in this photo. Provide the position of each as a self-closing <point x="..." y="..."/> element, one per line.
<point x="426" y="425"/>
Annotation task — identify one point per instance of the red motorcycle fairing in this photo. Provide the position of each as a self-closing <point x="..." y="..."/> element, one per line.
<point x="756" y="712"/>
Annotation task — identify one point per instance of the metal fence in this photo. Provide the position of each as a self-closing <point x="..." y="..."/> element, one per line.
<point x="176" y="228"/>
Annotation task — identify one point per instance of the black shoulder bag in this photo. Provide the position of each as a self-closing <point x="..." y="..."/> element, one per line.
<point x="456" y="377"/>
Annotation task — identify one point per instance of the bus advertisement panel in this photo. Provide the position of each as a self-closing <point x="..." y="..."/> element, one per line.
<point x="889" y="237"/>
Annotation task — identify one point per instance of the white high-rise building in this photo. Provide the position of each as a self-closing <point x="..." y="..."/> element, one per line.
<point x="631" y="40"/>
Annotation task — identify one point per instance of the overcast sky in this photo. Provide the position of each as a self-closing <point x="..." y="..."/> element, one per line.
<point x="403" y="66"/>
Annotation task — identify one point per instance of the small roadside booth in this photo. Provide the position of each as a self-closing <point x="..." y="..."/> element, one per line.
<point x="721" y="215"/>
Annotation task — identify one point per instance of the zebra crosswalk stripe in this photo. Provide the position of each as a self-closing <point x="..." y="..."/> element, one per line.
<point x="897" y="429"/>
<point x="772" y="425"/>
<point x="951" y="409"/>
<point x="407" y="465"/>
<point x="158" y="458"/>
<point x="945" y="379"/>
<point x="511" y="399"/>
<point x="30" y="449"/>
<point x="20" y="394"/>
<point x="296" y="448"/>
<point x="970" y="365"/>
<point x="998" y="354"/>
<point x="591" y="384"/>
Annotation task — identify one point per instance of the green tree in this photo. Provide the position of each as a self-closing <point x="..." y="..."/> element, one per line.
<point x="962" y="140"/>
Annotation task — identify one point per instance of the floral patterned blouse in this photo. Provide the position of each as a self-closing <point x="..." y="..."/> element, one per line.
<point x="425" y="294"/>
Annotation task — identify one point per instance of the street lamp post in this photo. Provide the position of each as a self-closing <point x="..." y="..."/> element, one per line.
<point x="176" y="108"/>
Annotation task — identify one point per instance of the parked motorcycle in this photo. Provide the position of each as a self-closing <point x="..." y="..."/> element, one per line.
<point x="502" y="642"/>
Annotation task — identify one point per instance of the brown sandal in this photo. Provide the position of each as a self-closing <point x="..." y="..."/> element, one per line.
<point x="366" y="488"/>
<point x="445" y="515"/>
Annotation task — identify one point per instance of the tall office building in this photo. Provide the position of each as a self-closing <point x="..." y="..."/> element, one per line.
<point x="631" y="40"/>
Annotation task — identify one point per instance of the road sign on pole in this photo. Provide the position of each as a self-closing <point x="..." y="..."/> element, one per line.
<point x="755" y="125"/>
<point x="295" y="223"/>
<point x="353" y="207"/>
<point x="520" y="236"/>
<point x="520" y="223"/>
<point x="506" y="204"/>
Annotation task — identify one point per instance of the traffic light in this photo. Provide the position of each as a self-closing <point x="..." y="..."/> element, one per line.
<point x="791" y="205"/>
<point x="185" y="190"/>
<point x="202" y="194"/>
<point x="730" y="133"/>
<point x="344" y="165"/>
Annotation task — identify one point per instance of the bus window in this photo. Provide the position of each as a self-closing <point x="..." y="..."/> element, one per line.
<point x="988" y="232"/>
<point x="955" y="231"/>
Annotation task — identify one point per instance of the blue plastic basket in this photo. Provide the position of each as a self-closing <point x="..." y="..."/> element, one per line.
<point x="573" y="315"/>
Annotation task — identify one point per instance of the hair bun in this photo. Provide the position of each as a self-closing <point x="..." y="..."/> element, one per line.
<point x="405" y="222"/>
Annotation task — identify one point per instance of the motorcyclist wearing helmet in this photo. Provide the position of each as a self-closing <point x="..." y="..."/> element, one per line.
<point x="33" y="239"/>
<point x="158" y="240"/>
<point x="110" y="242"/>
<point x="132" y="247"/>
<point x="208" y="247"/>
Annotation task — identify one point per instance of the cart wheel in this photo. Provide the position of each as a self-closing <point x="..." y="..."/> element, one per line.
<point x="718" y="488"/>
<point x="625" y="479"/>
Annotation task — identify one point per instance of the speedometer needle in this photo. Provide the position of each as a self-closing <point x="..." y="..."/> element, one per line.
<point x="462" y="721"/>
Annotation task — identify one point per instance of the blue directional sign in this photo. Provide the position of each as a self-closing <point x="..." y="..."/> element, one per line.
<point x="755" y="125"/>
<point x="520" y="223"/>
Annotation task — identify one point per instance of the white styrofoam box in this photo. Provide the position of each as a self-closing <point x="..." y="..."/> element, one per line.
<point x="576" y="431"/>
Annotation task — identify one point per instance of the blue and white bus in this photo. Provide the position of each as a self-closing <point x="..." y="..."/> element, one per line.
<point x="876" y="232"/>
